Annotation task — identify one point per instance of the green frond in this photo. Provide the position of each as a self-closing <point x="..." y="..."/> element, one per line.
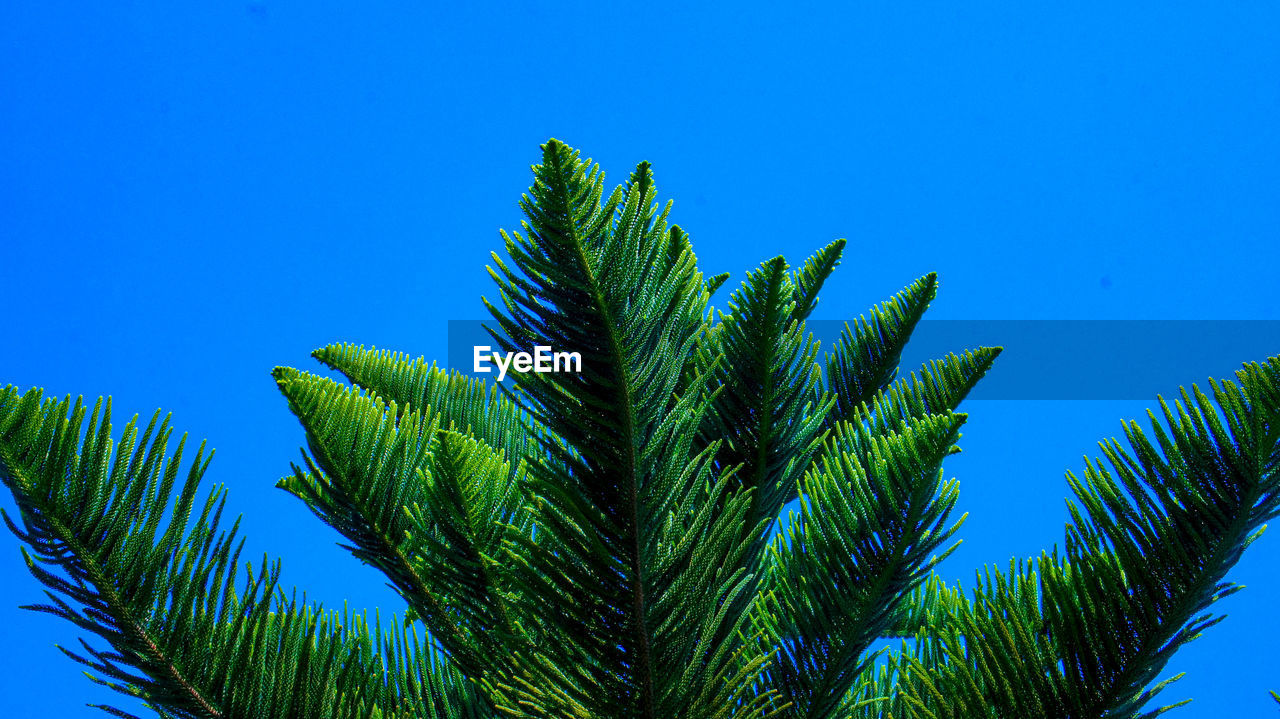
<point x="472" y="502"/>
<point x="877" y="691"/>
<point x="151" y="573"/>
<point x="924" y="610"/>
<point x="677" y="241"/>
<point x="939" y="387"/>
<point x="715" y="282"/>
<point x="767" y="412"/>
<point x="426" y="682"/>
<point x="809" y="279"/>
<point x="424" y="507"/>
<point x="464" y="404"/>
<point x="874" y="511"/>
<point x="865" y="358"/>
<point x="1154" y="530"/>
<point x="600" y="543"/>
<point x="637" y="545"/>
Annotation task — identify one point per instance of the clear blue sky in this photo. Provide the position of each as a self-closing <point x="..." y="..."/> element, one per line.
<point x="189" y="197"/>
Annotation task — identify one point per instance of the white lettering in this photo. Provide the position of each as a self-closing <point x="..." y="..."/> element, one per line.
<point x="567" y="356"/>
<point x="542" y="358"/>
<point x="502" y="366"/>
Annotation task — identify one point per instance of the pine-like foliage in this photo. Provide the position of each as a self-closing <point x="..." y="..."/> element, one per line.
<point x="615" y="542"/>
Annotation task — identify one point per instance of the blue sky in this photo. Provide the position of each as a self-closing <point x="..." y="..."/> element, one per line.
<point x="193" y="196"/>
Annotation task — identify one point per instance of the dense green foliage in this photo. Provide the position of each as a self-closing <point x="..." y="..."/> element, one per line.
<point x="603" y="543"/>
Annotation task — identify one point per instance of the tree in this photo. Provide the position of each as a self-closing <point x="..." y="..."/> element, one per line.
<point x="601" y="543"/>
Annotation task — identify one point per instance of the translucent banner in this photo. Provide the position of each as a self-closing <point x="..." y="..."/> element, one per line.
<point x="1042" y="359"/>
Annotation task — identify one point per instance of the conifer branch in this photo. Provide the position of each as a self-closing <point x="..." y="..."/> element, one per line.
<point x="596" y="542"/>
